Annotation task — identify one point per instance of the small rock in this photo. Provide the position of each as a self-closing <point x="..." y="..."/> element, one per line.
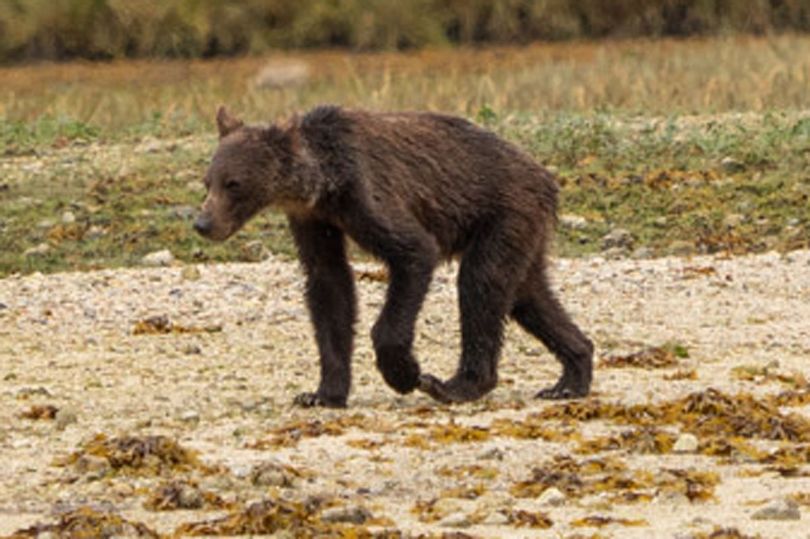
<point x="551" y="496"/>
<point x="192" y="349"/>
<point x="65" y="416"/>
<point x="686" y="443"/>
<point x="189" y="497"/>
<point x="731" y="165"/>
<point x="190" y="416"/>
<point x="618" y="237"/>
<point x="681" y="248"/>
<point x="733" y="220"/>
<point x="497" y="518"/>
<point x="158" y="258"/>
<point x="574" y="222"/>
<point x="782" y="509"/>
<point x="93" y="465"/>
<point x="354" y="514"/>
<point x="190" y="273"/>
<point x="68" y="217"/>
<point x="496" y="453"/>
<point x="660" y="221"/>
<point x="255" y="251"/>
<point x="40" y="249"/>
<point x="643" y="253"/>
<point x="183" y="212"/>
<point x="455" y="520"/>
<point x="94" y="232"/>
<point x="447" y="506"/>
<point x="270" y="474"/>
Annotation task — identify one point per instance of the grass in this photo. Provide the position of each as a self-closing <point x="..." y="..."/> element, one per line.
<point x="688" y="151"/>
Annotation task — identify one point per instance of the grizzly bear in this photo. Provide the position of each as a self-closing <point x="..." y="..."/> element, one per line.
<point x="412" y="189"/>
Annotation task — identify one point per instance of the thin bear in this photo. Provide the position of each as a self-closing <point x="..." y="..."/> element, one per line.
<point x="412" y="189"/>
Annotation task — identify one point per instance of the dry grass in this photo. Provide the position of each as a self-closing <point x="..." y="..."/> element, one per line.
<point x="651" y="76"/>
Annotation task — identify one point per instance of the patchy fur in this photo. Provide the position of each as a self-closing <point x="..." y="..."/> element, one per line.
<point x="412" y="189"/>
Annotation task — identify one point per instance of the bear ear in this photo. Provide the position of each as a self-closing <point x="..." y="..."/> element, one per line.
<point x="226" y="123"/>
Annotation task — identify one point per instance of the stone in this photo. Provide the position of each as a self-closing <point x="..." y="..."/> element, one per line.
<point x="686" y="443"/>
<point x="456" y="520"/>
<point x="353" y="514"/>
<point x="158" y="258"/>
<point x="731" y="165"/>
<point x="41" y="249"/>
<point x="551" y="496"/>
<point x="65" y="416"/>
<point x="782" y="509"/>
<point x="190" y="273"/>
<point x="189" y="497"/>
<point x="681" y="248"/>
<point x="92" y="465"/>
<point x="733" y="220"/>
<point x="190" y="416"/>
<point x="270" y="474"/>
<point x="618" y="237"/>
<point x="574" y="222"/>
<point x="68" y="217"/>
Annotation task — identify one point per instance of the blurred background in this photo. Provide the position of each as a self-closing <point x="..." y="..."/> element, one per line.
<point x="108" y="29"/>
<point x="674" y="126"/>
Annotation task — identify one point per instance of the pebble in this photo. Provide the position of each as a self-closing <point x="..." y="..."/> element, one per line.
<point x="189" y="497"/>
<point x="781" y="509"/>
<point x="92" y="465"/>
<point x="686" y="443"/>
<point x="190" y="416"/>
<point x="158" y="258"/>
<point x="551" y="496"/>
<point x="65" y="416"/>
<point x="618" y="237"/>
<point x="353" y="514"/>
<point x="68" y="217"/>
<point x="190" y="273"/>
<point x="574" y="222"/>
<point x="270" y="474"/>
<point x="40" y="249"/>
<point x="732" y="165"/>
<point x="456" y="520"/>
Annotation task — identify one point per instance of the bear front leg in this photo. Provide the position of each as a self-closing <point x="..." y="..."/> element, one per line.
<point x="393" y="333"/>
<point x="332" y="307"/>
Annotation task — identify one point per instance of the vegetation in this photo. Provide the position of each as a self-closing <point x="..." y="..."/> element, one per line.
<point x="689" y="146"/>
<point x="58" y="29"/>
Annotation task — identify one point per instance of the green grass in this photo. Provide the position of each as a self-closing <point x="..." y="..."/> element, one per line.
<point x="662" y="179"/>
<point x="690" y="146"/>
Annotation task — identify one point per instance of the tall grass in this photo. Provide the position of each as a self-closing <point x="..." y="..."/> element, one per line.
<point x="177" y="97"/>
<point x="59" y="29"/>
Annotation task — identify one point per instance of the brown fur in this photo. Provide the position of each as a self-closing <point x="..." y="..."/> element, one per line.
<point x="412" y="189"/>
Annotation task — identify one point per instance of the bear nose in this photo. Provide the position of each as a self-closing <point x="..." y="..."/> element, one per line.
<point x="203" y="225"/>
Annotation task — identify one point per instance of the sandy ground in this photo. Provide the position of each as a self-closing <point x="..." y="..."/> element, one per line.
<point x="67" y="340"/>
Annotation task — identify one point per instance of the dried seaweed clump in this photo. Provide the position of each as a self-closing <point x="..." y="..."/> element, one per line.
<point x="611" y="476"/>
<point x="707" y="413"/>
<point x="86" y="522"/>
<point x="647" y="440"/>
<point x="39" y="412"/>
<point x="290" y="434"/>
<point x="273" y="516"/>
<point x="161" y="325"/>
<point x="528" y="519"/>
<point x="600" y="521"/>
<point x="151" y="455"/>
<point x="652" y="357"/>
<point x="180" y="494"/>
<point x="724" y="533"/>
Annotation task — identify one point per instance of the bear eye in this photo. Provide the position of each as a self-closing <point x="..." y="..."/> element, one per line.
<point x="232" y="185"/>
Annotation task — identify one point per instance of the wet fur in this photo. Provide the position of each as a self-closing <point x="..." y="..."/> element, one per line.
<point x="412" y="189"/>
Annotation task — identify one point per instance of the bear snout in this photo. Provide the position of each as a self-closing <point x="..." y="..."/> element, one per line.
<point x="203" y="225"/>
